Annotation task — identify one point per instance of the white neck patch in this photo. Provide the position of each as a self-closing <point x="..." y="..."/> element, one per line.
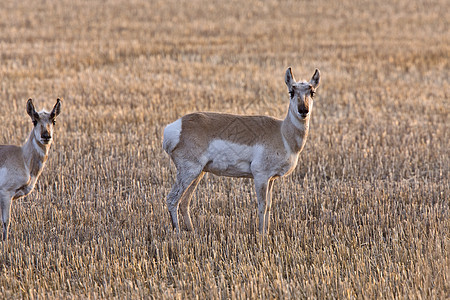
<point x="296" y="122"/>
<point x="39" y="150"/>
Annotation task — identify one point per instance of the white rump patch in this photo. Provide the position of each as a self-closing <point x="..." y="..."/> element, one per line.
<point x="171" y="136"/>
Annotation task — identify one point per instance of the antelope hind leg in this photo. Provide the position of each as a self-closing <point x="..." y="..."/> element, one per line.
<point x="186" y="200"/>
<point x="182" y="183"/>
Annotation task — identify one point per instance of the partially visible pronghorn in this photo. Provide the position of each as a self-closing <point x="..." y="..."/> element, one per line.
<point x="258" y="147"/>
<point x="20" y="167"/>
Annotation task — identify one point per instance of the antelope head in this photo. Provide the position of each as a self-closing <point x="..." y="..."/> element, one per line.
<point x="43" y="122"/>
<point x="301" y="94"/>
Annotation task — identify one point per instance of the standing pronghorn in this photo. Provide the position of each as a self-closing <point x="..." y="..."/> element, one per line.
<point x="20" y="167"/>
<point x="258" y="147"/>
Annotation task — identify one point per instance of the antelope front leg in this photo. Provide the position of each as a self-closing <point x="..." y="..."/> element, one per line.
<point x="268" y="205"/>
<point x="261" y="187"/>
<point x="5" y="203"/>
<point x="26" y="189"/>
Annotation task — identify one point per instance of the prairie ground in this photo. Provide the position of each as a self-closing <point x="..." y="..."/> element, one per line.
<point x="364" y="215"/>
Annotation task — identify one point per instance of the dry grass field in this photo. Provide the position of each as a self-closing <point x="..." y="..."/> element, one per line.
<point x="365" y="214"/>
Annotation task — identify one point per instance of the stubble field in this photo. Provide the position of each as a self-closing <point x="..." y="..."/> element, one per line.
<point x="364" y="215"/>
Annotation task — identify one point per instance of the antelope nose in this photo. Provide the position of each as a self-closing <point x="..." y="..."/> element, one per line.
<point x="303" y="112"/>
<point x="46" y="135"/>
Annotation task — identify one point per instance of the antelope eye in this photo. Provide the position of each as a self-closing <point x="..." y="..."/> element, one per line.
<point x="291" y="93"/>
<point x="34" y="123"/>
<point x="53" y="122"/>
<point x="312" y="94"/>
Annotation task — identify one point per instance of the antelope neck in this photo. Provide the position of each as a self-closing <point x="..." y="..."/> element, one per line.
<point x="295" y="131"/>
<point x="35" y="155"/>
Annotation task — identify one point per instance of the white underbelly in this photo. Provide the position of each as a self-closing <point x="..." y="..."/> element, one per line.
<point x="229" y="159"/>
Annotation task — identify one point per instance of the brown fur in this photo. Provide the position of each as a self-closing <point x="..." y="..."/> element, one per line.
<point x="198" y="129"/>
<point x="24" y="164"/>
<point x="14" y="156"/>
<point x="258" y="147"/>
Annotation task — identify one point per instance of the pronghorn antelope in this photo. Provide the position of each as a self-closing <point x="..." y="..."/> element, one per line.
<point x="20" y="167"/>
<point x="258" y="147"/>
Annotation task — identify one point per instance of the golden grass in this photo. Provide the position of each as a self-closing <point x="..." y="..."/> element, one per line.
<point x="365" y="214"/>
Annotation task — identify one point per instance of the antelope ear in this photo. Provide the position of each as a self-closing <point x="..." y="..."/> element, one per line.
<point x="56" y="109"/>
<point x="31" y="111"/>
<point x="289" y="78"/>
<point x="315" y="79"/>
